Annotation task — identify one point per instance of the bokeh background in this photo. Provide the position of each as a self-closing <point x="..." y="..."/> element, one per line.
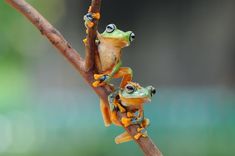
<point x="185" y="48"/>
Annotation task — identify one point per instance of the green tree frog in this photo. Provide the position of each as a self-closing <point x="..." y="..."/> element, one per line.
<point x="130" y="100"/>
<point x="109" y="63"/>
<point x="108" y="60"/>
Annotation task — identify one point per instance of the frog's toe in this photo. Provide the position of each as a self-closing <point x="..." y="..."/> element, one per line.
<point x="139" y="129"/>
<point x="98" y="76"/>
<point x="96" y="15"/>
<point x="141" y="133"/>
<point x="96" y="84"/>
<point x="84" y="40"/>
<point x="126" y="121"/>
<point x="137" y="136"/>
<point x="89" y="24"/>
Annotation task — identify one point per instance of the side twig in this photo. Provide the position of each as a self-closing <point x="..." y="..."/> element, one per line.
<point x="85" y="67"/>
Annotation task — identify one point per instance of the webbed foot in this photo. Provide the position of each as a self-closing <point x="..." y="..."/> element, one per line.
<point x="141" y="133"/>
<point x="126" y="121"/>
<point x="101" y="79"/>
<point x="89" y="18"/>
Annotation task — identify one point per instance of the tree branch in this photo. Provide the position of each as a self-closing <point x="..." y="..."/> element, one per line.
<point x="85" y="67"/>
<point x="91" y="47"/>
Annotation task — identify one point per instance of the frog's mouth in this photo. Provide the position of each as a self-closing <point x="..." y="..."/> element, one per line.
<point x="116" y="42"/>
<point x="135" y="101"/>
<point x="133" y="94"/>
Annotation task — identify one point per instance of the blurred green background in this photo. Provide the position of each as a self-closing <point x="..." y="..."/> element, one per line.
<point x="183" y="48"/>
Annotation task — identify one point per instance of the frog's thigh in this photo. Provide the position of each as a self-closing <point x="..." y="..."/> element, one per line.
<point x="126" y="73"/>
<point x="105" y="113"/>
<point x="114" y="118"/>
<point x="124" y="137"/>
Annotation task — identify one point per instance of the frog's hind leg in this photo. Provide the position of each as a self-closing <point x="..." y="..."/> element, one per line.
<point x="105" y="113"/>
<point x="124" y="137"/>
<point x="126" y="74"/>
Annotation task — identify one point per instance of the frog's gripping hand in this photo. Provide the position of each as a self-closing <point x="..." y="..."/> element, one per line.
<point x="89" y="18"/>
<point x="89" y="21"/>
<point x="101" y="80"/>
<point x="131" y="119"/>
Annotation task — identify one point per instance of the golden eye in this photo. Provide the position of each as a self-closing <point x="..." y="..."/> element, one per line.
<point x="110" y="28"/>
<point x="132" y="37"/>
<point x="129" y="89"/>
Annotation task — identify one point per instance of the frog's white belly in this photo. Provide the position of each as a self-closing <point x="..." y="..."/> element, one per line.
<point x="107" y="57"/>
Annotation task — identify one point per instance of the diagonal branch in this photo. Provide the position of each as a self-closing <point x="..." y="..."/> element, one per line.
<point x="85" y="68"/>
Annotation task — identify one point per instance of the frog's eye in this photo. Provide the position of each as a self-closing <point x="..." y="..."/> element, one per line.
<point x="132" y="37"/>
<point x="130" y="89"/>
<point x="110" y="28"/>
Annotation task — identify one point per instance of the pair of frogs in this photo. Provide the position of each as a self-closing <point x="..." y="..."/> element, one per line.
<point x="130" y="96"/>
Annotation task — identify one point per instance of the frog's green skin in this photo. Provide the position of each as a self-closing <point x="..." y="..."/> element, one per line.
<point x="108" y="60"/>
<point x="109" y="49"/>
<point x="130" y="100"/>
<point x="110" y="44"/>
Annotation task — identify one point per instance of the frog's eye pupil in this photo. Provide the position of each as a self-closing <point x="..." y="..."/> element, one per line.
<point x="132" y="37"/>
<point x="89" y="16"/>
<point x="130" y="89"/>
<point x="110" y="28"/>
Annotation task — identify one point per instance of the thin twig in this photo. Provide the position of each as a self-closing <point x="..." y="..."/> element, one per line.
<point x="59" y="42"/>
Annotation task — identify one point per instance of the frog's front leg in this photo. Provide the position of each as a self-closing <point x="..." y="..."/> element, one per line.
<point x="129" y="119"/>
<point x="132" y="119"/>
<point x="89" y="21"/>
<point x="139" y="120"/>
<point x="143" y="122"/>
<point x="141" y="132"/>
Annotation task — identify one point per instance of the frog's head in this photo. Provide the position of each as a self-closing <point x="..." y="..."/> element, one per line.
<point x="112" y="35"/>
<point x="134" y="94"/>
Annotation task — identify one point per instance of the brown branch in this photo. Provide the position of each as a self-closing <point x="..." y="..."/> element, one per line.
<point x="85" y="68"/>
<point x="91" y="47"/>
